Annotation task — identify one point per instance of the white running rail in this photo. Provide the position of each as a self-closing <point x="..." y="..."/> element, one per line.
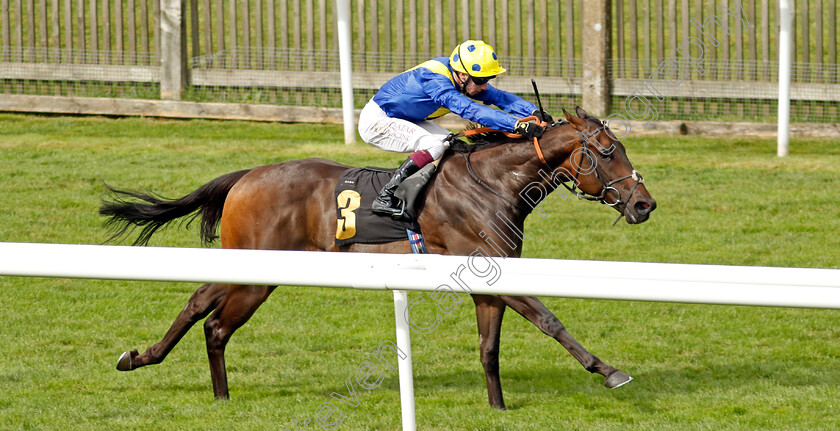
<point x="666" y="282"/>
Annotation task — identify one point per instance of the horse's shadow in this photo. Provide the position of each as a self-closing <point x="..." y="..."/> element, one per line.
<point x="525" y="387"/>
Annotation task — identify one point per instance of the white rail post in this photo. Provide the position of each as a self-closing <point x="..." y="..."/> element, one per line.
<point x="409" y="422"/>
<point x="785" y="48"/>
<point x="345" y="61"/>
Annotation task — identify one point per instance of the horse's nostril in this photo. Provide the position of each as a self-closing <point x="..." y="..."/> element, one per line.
<point x="643" y="207"/>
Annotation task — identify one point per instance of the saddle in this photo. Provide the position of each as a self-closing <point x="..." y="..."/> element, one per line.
<point x="355" y="191"/>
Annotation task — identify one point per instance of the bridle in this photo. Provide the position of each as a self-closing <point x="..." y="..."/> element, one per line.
<point x="579" y="193"/>
<point x="606" y="186"/>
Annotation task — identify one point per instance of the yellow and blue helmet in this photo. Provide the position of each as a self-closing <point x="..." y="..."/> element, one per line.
<point x="475" y="58"/>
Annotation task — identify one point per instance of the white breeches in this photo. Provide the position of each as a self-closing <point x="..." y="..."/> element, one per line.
<point x="402" y="136"/>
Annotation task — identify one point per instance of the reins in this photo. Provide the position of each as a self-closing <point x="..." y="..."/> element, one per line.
<point x="481" y="130"/>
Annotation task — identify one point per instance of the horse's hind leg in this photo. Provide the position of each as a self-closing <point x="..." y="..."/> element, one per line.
<point x="236" y="308"/>
<point x="489" y="312"/>
<point x="202" y="302"/>
<point x="537" y="313"/>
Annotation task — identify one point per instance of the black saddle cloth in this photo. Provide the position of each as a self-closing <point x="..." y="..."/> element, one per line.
<point x="355" y="192"/>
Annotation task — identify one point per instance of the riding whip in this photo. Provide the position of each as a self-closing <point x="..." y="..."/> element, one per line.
<point x="539" y="102"/>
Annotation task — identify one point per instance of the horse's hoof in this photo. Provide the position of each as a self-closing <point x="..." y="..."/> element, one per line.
<point x="126" y="361"/>
<point x="616" y="379"/>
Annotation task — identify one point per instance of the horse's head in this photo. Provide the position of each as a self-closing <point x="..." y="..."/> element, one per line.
<point x="597" y="164"/>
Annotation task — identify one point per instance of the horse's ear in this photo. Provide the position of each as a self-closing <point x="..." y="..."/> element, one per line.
<point x="576" y="122"/>
<point x="568" y="116"/>
<point x="580" y="112"/>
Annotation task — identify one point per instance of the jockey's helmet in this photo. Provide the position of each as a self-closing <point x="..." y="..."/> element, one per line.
<point x="475" y="58"/>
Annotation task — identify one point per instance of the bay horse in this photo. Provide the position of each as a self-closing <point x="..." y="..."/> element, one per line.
<point x="291" y="206"/>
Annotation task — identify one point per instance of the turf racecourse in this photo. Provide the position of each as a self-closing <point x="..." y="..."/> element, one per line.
<point x="722" y="201"/>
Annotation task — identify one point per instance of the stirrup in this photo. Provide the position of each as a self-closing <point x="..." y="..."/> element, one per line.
<point x="395" y="213"/>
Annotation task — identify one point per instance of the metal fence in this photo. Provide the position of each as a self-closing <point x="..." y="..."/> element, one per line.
<point x="740" y="72"/>
<point x="284" y="52"/>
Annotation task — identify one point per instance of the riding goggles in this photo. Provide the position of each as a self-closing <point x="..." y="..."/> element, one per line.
<point x="481" y="80"/>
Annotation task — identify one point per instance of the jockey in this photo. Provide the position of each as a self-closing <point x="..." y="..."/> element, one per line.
<point x="397" y="117"/>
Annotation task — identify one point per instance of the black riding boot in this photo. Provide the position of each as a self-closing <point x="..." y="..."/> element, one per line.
<point x="386" y="203"/>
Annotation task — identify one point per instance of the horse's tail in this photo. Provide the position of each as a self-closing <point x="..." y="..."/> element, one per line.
<point x="127" y="210"/>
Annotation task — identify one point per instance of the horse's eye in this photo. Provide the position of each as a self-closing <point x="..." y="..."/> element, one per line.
<point x="606" y="156"/>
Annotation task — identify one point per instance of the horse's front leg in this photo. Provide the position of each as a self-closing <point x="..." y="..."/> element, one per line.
<point x="489" y="311"/>
<point x="537" y="313"/>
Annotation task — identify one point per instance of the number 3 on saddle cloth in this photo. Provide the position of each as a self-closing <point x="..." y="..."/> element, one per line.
<point x="355" y="192"/>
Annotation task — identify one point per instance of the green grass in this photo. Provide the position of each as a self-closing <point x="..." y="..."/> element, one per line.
<point x="697" y="367"/>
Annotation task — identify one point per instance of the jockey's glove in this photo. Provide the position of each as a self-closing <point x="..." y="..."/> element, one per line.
<point x="528" y="129"/>
<point x="543" y="115"/>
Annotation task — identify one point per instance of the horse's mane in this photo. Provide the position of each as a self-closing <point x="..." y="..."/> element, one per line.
<point x="589" y="116"/>
<point x="478" y="141"/>
<point x="485" y="140"/>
